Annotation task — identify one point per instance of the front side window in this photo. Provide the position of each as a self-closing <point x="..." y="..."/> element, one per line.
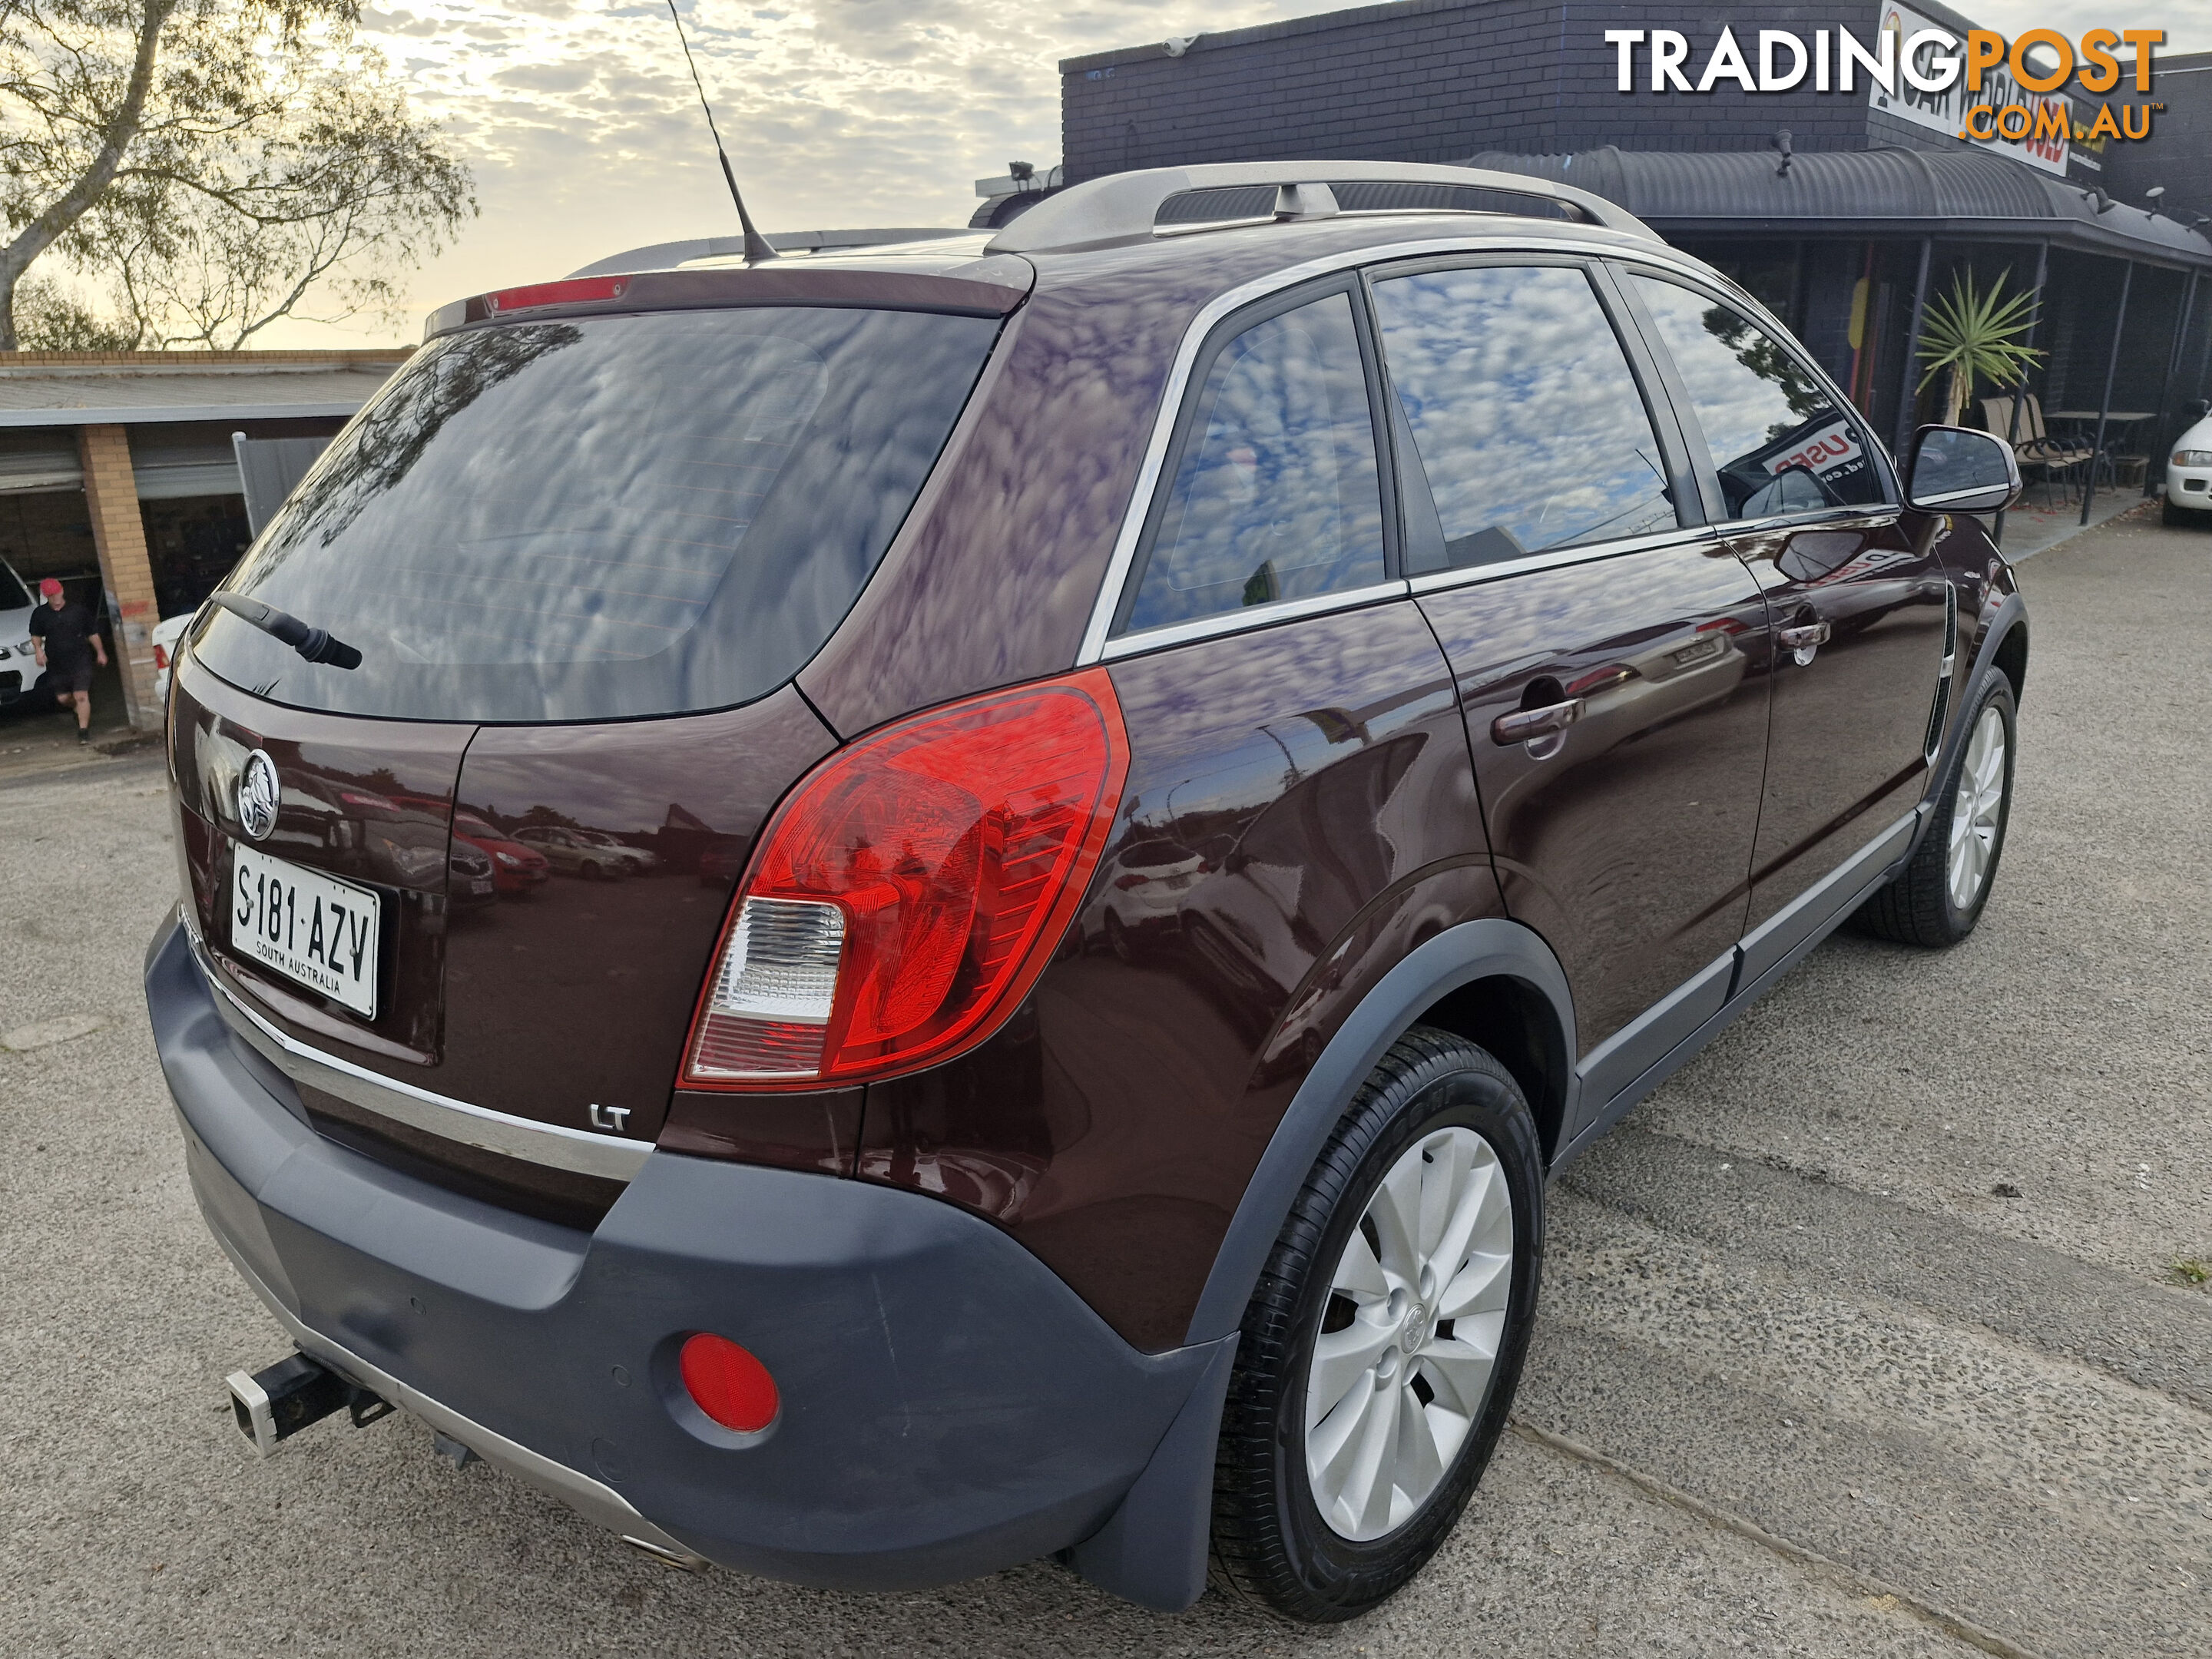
<point x="1778" y="440"/>
<point x="1277" y="495"/>
<point x="1523" y="410"/>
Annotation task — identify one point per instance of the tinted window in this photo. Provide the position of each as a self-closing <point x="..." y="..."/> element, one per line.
<point x="1276" y="495"/>
<point x="1778" y="440"/>
<point x="625" y="515"/>
<point x="1523" y="411"/>
<point x="12" y="596"/>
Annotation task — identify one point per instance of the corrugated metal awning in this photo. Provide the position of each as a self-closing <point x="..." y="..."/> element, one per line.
<point x="1904" y="192"/>
<point x="31" y="397"/>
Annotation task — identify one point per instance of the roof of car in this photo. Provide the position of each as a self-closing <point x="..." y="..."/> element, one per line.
<point x="1242" y="220"/>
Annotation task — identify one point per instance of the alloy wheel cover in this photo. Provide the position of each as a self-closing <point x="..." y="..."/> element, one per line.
<point x="1425" y="1280"/>
<point x="1978" y="810"/>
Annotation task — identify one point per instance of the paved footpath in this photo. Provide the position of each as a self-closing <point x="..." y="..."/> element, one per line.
<point x="1806" y="1384"/>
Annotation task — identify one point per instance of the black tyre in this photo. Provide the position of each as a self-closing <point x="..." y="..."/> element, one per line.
<point x="1363" y="1337"/>
<point x="1939" y="895"/>
<point x="1117" y="939"/>
<point x="2183" y="517"/>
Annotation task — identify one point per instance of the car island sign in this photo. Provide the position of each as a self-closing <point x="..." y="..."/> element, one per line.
<point x="2014" y="96"/>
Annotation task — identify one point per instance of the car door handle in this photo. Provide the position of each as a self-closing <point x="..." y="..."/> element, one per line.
<point x="1802" y="640"/>
<point x="1524" y="725"/>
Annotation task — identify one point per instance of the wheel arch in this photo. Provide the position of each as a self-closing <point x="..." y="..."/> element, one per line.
<point x="2010" y="657"/>
<point x="1494" y="982"/>
<point x="1512" y="1019"/>
<point x="2002" y="647"/>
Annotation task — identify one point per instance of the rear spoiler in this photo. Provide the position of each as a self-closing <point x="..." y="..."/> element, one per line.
<point x="994" y="287"/>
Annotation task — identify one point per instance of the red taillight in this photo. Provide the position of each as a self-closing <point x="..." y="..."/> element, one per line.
<point x="727" y="1383"/>
<point x="907" y="894"/>
<point x="161" y="658"/>
<point x="556" y="294"/>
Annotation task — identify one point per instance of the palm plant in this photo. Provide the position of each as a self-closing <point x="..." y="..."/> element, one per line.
<point x="1972" y="336"/>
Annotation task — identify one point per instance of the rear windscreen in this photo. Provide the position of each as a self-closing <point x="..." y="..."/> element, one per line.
<point x="12" y="596"/>
<point x="620" y="516"/>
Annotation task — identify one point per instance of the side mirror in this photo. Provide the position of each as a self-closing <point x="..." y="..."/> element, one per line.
<point x="1955" y="469"/>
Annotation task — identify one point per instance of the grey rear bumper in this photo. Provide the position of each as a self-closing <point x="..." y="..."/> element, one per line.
<point x="950" y="1407"/>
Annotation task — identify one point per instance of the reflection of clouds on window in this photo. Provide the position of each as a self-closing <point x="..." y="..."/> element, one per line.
<point x="632" y="514"/>
<point x="1528" y="424"/>
<point x="1277" y="496"/>
<point x="1779" y="442"/>
<point x="785" y="405"/>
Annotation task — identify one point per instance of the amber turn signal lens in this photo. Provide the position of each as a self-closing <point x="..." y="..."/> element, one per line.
<point x="727" y="1383"/>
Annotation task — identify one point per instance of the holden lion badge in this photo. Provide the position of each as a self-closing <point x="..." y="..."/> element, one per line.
<point x="257" y="795"/>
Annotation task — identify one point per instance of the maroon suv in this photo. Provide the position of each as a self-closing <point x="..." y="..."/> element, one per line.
<point x="1213" y="755"/>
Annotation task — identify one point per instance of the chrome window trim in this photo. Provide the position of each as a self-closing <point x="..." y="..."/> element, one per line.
<point x="1098" y="642"/>
<point x="1940" y="503"/>
<point x="608" y="1157"/>
<point x="1236" y="622"/>
<point x="1554" y="558"/>
<point x="1874" y="515"/>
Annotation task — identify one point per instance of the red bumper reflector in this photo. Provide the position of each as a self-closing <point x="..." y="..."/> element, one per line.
<point x="727" y="1383"/>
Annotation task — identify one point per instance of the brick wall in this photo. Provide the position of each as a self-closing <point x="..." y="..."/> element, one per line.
<point x="111" y="494"/>
<point x="2178" y="152"/>
<point x="1438" y="80"/>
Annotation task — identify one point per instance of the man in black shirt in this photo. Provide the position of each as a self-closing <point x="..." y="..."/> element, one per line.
<point x="68" y="639"/>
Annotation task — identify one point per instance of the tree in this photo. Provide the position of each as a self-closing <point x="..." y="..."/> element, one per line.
<point x="214" y="164"/>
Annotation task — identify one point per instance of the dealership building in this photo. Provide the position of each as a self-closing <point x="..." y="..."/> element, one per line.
<point x="1845" y="213"/>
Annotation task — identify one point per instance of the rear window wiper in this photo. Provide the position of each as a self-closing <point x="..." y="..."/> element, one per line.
<point x="313" y="643"/>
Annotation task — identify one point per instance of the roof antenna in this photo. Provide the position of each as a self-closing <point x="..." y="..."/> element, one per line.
<point x="757" y="246"/>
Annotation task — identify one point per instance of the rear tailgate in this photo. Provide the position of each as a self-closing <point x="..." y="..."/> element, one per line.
<point x="580" y="995"/>
<point x="365" y="802"/>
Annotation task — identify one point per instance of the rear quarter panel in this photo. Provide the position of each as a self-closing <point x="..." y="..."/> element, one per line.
<point x="1321" y="771"/>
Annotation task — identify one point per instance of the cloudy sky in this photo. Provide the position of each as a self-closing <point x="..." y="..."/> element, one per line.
<point x="581" y="125"/>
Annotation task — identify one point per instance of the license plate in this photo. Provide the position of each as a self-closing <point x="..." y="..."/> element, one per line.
<point x="480" y="886"/>
<point x="322" y="933"/>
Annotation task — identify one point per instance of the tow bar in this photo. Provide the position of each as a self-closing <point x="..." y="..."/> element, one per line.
<point x="274" y="1404"/>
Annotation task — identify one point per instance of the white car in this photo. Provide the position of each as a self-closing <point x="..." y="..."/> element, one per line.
<point x="19" y="662"/>
<point x="166" y="633"/>
<point x="1145" y="893"/>
<point x="641" y="860"/>
<point x="2189" y="477"/>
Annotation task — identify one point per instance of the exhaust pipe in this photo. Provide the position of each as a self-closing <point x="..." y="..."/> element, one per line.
<point x="276" y="1403"/>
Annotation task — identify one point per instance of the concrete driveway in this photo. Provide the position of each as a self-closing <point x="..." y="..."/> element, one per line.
<point x="1865" y="1336"/>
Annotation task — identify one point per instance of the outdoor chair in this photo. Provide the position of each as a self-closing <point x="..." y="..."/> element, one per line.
<point x="2069" y="451"/>
<point x="2038" y="452"/>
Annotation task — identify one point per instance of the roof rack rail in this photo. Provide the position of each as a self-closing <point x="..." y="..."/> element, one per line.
<point x="1128" y="203"/>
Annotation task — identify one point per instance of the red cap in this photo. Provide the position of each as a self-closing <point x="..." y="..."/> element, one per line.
<point x="49" y="588"/>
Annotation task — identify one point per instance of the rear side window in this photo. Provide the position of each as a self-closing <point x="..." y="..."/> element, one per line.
<point x="1779" y="442"/>
<point x="1276" y="495"/>
<point x="618" y="516"/>
<point x="1523" y="410"/>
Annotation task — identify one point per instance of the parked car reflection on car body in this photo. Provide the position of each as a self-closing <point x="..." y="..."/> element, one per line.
<point x="567" y="851"/>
